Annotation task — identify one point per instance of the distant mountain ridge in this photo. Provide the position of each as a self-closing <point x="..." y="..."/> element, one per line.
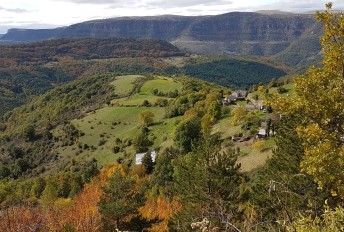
<point x="241" y="33"/>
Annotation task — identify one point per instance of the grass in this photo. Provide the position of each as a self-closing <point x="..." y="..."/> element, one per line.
<point x="254" y="160"/>
<point x="241" y="103"/>
<point x="163" y="84"/>
<point x="110" y="123"/>
<point x="250" y="158"/>
<point x="138" y="98"/>
<point x="124" y="84"/>
<point x="164" y="132"/>
<point x="103" y="127"/>
<point x="290" y="87"/>
<point x="224" y="128"/>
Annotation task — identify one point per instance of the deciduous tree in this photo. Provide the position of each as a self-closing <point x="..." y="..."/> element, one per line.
<point x="146" y="118"/>
<point x="319" y="97"/>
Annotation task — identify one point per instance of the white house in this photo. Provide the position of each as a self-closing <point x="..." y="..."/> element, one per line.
<point x="261" y="134"/>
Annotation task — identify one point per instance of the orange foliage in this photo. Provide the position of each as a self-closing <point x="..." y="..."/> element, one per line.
<point x="160" y="209"/>
<point x="84" y="215"/>
<point x="80" y="214"/>
<point x="21" y="219"/>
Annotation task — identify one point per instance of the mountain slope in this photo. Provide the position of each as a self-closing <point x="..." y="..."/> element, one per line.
<point x="233" y="33"/>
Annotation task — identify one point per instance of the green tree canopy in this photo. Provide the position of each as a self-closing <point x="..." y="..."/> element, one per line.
<point x="187" y="132"/>
<point x="146" y="118"/>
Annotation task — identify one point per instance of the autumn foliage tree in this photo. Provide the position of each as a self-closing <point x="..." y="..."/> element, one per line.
<point x="319" y="97"/>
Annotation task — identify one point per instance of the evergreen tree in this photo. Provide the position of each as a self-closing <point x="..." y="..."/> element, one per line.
<point x="119" y="200"/>
<point x="141" y="141"/>
<point x="147" y="162"/>
<point x="281" y="190"/>
<point x="50" y="193"/>
<point x="208" y="182"/>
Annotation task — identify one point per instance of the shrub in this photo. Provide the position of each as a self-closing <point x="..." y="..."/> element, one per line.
<point x="259" y="145"/>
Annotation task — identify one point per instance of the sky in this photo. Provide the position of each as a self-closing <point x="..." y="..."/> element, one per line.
<point x="54" y="13"/>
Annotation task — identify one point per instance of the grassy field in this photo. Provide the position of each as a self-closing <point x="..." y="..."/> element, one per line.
<point x="249" y="158"/>
<point x="225" y="129"/>
<point x="124" y="84"/>
<point x="290" y="87"/>
<point x="106" y="125"/>
<point x="103" y="128"/>
<point x="254" y="160"/>
<point x="163" y="84"/>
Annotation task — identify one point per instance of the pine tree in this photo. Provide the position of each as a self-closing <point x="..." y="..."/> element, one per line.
<point x="208" y="182"/>
<point x="147" y="162"/>
<point x="118" y="201"/>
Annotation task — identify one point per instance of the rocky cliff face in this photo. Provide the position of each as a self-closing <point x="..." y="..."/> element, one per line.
<point x="233" y="33"/>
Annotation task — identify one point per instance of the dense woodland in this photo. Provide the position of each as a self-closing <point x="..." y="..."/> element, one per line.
<point x="196" y="182"/>
<point x="233" y="73"/>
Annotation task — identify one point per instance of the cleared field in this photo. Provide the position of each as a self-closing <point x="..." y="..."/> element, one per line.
<point x="254" y="160"/>
<point x="290" y="87"/>
<point x="124" y="84"/>
<point x="225" y="129"/>
<point x="163" y="84"/>
<point x="138" y="98"/>
<point x="163" y="132"/>
<point x="122" y="122"/>
<point x="102" y="128"/>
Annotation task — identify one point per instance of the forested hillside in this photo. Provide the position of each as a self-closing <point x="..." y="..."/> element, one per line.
<point x="234" y="73"/>
<point x="27" y="70"/>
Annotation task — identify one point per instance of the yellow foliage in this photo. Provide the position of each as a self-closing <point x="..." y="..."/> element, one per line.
<point x="259" y="145"/>
<point x="160" y="209"/>
<point x="238" y="114"/>
<point x="319" y="101"/>
<point x="62" y="203"/>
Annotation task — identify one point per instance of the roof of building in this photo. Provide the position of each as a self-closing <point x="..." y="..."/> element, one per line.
<point x="262" y="132"/>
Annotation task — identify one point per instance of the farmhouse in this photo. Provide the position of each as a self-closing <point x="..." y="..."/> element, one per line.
<point x="139" y="156"/>
<point x="237" y="95"/>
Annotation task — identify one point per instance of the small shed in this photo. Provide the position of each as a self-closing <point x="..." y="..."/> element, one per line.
<point x="261" y="134"/>
<point x="139" y="156"/>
